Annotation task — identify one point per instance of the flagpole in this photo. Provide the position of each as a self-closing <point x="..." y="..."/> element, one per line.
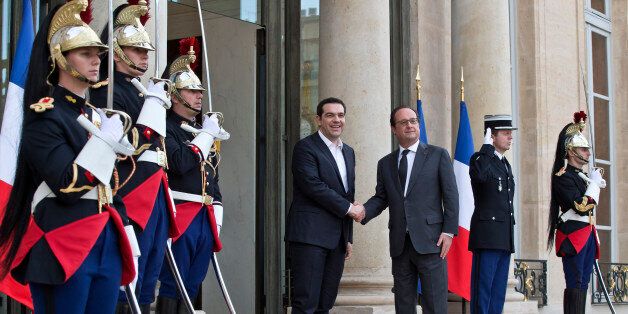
<point x="461" y="83"/>
<point x="418" y="82"/>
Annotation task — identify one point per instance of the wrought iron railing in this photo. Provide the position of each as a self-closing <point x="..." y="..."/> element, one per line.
<point x="616" y="279"/>
<point x="531" y="275"/>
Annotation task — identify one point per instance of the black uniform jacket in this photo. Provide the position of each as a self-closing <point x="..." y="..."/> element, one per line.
<point x="63" y="229"/>
<point x="139" y="180"/>
<point x="493" y="220"/>
<point x="184" y="174"/>
<point x="569" y="189"/>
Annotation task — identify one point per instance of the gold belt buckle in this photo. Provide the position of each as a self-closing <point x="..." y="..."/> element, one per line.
<point x="161" y="158"/>
<point x="208" y="200"/>
<point x="105" y="196"/>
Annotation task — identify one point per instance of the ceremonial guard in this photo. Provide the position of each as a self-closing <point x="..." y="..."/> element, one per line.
<point x="193" y="177"/>
<point x="571" y="222"/>
<point x="492" y="224"/>
<point x="146" y="193"/>
<point x="62" y="230"/>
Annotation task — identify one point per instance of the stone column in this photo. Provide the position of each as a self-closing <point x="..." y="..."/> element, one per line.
<point x="481" y="44"/>
<point x="355" y="66"/>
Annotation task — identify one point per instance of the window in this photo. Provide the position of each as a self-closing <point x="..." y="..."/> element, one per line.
<point x="309" y="66"/>
<point x="600" y="102"/>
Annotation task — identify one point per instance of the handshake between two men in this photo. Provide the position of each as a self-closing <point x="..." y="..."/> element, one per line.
<point x="357" y="212"/>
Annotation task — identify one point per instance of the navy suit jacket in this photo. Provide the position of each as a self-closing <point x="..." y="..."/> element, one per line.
<point x="318" y="213"/>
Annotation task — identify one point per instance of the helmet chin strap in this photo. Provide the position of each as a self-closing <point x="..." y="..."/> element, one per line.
<point x="120" y="53"/>
<point x="579" y="156"/>
<point x="185" y="103"/>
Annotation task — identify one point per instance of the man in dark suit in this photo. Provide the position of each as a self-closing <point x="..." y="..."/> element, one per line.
<point x="492" y="223"/>
<point x="416" y="182"/>
<point x="319" y="230"/>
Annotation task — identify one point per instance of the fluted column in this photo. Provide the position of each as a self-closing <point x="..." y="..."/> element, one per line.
<point x="355" y="66"/>
<point x="481" y="44"/>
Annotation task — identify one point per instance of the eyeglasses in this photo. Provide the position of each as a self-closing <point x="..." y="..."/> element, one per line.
<point x="413" y="121"/>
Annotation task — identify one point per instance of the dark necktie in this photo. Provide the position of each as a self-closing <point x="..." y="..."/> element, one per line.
<point x="403" y="169"/>
<point x="505" y="163"/>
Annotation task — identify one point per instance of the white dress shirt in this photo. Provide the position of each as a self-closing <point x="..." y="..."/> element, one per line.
<point x="336" y="151"/>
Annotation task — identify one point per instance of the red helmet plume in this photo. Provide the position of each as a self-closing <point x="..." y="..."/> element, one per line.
<point x="579" y="116"/>
<point x="184" y="47"/>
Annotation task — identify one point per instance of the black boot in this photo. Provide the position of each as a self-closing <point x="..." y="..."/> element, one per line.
<point x="145" y="308"/>
<point x="574" y="301"/>
<point x="582" y="301"/>
<point x="166" y="305"/>
<point x="123" y="308"/>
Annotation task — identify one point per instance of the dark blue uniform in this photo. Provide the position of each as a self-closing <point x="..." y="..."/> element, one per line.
<point x="73" y="254"/>
<point x="492" y="229"/>
<point x="576" y="239"/>
<point x="193" y="250"/>
<point x="144" y="189"/>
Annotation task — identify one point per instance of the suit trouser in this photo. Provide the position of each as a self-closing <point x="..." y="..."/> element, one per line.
<point x="193" y="252"/>
<point x="316" y="275"/>
<point x="152" y="243"/>
<point x="489" y="277"/>
<point x="93" y="288"/>
<point x="431" y="269"/>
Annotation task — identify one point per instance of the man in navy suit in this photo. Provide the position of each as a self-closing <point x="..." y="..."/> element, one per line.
<point x="319" y="230"/>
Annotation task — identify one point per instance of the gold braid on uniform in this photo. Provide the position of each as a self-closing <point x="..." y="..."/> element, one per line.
<point x="70" y="188"/>
<point x="584" y="206"/>
<point x="133" y="168"/>
<point x="116" y="182"/>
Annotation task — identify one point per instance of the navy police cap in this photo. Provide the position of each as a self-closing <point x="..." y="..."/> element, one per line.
<point x="498" y="122"/>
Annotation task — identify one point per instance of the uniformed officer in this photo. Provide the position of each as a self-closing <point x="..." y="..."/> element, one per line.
<point x="71" y="247"/>
<point x="145" y="187"/>
<point x="571" y="222"/>
<point x="193" y="176"/>
<point x="492" y="223"/>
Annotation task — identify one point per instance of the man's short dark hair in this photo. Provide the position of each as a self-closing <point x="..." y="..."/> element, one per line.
<point x="394" y="112"/>
<point x="329" y="100"/>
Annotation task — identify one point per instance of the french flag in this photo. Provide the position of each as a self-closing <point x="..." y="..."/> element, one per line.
<point x="10" y="134"/>
<point x="459" y="258"/>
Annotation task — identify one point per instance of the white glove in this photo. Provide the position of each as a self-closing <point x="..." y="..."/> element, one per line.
<point x="211" y="126"/>
<point x="154" y="109"/>
<point x="135" y="250"/>
<point x="155" y="90"/>
<point x="487" y="137"/>
<point x="218" y="214"/>
<point x="111" y="127"/>
<point x="596" y="176"/>
<point x="593" y="189"/>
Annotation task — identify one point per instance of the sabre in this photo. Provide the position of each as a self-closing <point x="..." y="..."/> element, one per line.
<point x="110" y="56"/>
<point x="178" y="280"/>
<point x="157" y="73"/>
<point x="209" y="107"/>
<point x="223" y="287"/>
<point x="591" y="163"/>
<point x="128" y="289"/>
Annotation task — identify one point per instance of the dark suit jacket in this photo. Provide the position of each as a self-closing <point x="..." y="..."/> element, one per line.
<point x="318" y="214"/>
<point x="492" y="223"/>
<point x="430" y="206"/>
